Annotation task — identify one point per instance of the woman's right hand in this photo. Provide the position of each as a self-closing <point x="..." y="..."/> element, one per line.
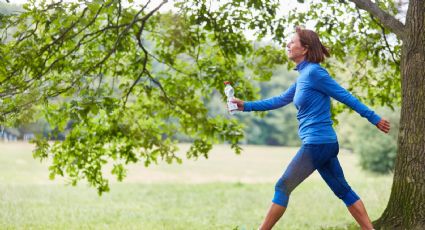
<point x="384" y="126"/>
<point x="238" y="102"/>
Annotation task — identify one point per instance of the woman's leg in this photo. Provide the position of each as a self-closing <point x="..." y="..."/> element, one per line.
<point x="358" y="211"/>
<point x="273" y="215"/>
<point x="298" y="170"/>
<point x="332" y="173"/>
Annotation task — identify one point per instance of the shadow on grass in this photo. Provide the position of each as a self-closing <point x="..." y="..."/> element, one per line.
<point x="352" y="226"/>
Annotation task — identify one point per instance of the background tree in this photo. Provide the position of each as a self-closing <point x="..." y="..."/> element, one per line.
<point x="128" y="77"/>
<point x="92" y="62"/>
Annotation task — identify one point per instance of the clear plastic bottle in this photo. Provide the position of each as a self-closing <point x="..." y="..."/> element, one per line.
<point x="230" y="93"/>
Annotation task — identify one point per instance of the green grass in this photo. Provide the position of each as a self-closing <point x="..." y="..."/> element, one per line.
<point x="226" y="191"/>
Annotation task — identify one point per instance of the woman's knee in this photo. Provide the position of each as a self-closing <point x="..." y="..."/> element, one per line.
<point x="350" y="198"/>
<point x="281" y="185"/>
<point x="281" y="196"/>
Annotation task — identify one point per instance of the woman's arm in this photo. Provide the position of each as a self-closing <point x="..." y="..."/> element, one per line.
<point x="323" y="82"/>
<point x="267" y="104"/>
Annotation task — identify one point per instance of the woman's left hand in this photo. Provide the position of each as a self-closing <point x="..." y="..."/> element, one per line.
<point x="384" y="125"/>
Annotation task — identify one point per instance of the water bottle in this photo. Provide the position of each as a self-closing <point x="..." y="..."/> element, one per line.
<point x="230" y="93"/>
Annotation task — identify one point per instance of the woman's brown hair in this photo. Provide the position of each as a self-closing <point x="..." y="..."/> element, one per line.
<point x="309" y="39"/>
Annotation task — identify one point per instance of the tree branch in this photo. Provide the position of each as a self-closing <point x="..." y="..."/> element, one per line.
<point x="387" y="20"/>
<point x="114" y="48"/>
<point x="131" y="88"/>
<point x="61" y="35"/>
<point x="387" y="45"/>
<point x="139" y="42"/>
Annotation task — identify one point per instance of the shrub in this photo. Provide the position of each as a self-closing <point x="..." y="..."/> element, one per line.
<point x="377" y="152"/>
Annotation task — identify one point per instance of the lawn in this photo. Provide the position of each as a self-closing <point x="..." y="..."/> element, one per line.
<point x="227" y="191"/>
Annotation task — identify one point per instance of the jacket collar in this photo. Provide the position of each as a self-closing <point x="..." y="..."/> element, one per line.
<point x="301" y="65"/>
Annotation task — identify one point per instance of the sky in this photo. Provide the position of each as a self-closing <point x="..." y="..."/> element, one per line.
<point x="16" y="1"/>
<point x="282" y="11"/>
<point x="290" y="4"/>
<point x="284" y="7"/>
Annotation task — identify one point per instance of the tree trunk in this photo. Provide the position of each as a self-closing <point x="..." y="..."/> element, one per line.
<point x="406" y="206"/>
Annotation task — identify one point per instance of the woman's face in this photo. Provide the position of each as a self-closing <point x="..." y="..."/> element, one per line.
<point x="296" y="52"/>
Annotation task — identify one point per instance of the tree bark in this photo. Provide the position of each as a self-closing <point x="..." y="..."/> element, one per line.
<point x="406" y="206"/>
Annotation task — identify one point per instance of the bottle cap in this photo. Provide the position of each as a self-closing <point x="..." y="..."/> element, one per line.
<point x="227" y="82"/>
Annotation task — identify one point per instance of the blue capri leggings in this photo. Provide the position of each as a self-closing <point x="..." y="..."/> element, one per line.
<point x="310" y="157"/>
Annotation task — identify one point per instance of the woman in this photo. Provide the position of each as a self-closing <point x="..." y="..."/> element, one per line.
<point x="311" y="95"/>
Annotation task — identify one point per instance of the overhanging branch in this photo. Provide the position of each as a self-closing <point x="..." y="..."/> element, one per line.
<point x="146" y="54"/>
<point x="386" y="19"/>
<point x="387" y="45"/>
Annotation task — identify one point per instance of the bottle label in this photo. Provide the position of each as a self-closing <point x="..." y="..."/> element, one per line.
<point x="231" y="106"/>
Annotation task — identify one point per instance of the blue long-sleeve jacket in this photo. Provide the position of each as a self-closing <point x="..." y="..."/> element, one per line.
<point x="311" y="95"/>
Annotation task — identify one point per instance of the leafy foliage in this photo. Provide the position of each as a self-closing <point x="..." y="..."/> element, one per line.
<point x="92" y="63"/>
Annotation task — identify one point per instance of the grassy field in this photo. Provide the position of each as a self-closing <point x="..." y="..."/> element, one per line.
<point x="227" y="191"/>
